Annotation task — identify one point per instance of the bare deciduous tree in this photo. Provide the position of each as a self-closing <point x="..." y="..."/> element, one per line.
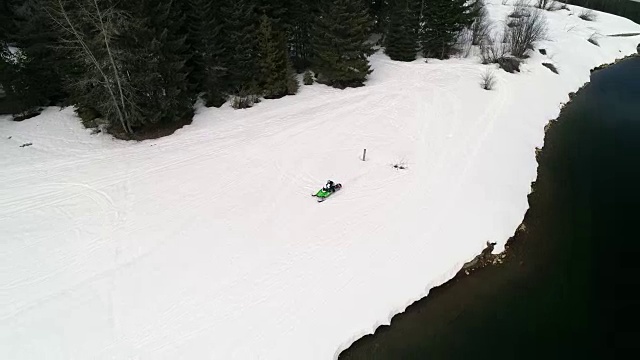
<point x="494" y="49"/>
<point x="520" y="9"/>
<point x="481" y="27"/>
<point x="87" y="31"/>
<point x="525" y="32"/>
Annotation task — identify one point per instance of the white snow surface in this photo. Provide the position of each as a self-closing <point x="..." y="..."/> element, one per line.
<point x="207" y="244"/>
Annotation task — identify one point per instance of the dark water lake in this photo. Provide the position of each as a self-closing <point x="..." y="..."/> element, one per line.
<point x="566" y="289"/>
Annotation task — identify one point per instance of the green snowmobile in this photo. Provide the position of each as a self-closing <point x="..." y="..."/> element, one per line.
<point x="329" y="189"/>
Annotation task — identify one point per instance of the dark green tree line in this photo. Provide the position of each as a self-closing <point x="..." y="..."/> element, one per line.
<point x="340" y="47"/>
<point x="142" y="64"/>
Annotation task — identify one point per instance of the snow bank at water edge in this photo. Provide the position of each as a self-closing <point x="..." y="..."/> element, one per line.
<point x="207" y="243"/>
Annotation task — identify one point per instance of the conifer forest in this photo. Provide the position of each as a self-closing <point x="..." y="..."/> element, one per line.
<point x="142" y="65"/>
<point x="139" y="65"/>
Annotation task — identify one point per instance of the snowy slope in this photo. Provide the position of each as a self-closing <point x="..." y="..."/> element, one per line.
<point x="206" y="244"/>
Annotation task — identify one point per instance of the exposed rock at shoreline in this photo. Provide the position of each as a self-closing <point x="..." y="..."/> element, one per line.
<point x="615" y="62"/>
<point x="485" y="258"/>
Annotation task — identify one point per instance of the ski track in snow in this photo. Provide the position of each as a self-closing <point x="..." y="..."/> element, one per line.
<point x="207" y="243"/>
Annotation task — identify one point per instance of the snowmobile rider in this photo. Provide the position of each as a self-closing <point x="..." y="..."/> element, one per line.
<point x="330" y="187"/>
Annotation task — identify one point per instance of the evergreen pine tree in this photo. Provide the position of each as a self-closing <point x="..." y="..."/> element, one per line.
<point x="302" y="13"/>
<point x="400" y="40"/>
<point x="29" y="73"/>
<point x="339" y="42"/>
<point x="6" y="20"/>
<point x="277" y="11"/>
<point x="307" y="78"/>
<point x="19" y="98"/>
<point x="276" y="73"/>
<point x="160" y="74"/>
<point x="239" y="32"/>
<point x="376" y="11"/>
<point x="441" y="22"/>
<point x="206" y="47"/>
<point x="199" y="19"/>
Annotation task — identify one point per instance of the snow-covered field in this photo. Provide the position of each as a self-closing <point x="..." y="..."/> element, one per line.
<point x="207" y="244"/>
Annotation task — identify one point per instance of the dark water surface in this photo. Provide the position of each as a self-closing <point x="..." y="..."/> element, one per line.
<point x="566" y="288"/>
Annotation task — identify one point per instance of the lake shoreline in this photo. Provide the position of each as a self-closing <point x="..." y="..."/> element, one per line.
<point x="486" y="265"/>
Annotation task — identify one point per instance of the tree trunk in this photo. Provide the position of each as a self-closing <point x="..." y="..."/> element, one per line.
<point x="123" y="118"/>
<point x="89" y="54"/>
